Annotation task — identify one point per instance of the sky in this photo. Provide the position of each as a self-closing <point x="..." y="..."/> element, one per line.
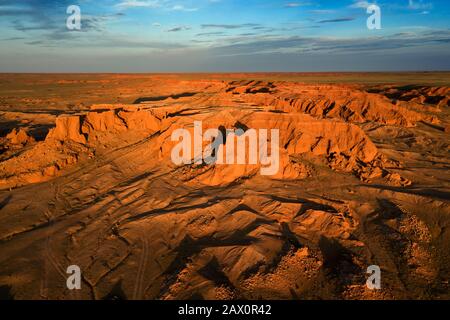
<point x="224" y="36"/>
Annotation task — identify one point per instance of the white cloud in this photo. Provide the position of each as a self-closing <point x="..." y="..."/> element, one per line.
<point x="361" y="5"/>
<point x="297" y="4"/>
<point x="180" y="7"/>
<point x="126" y="4"/>
<point x="179" y="28"/>
<point x="138" y="4"/>
<point x="419" y="5"/>
<point x="321" y="11"/>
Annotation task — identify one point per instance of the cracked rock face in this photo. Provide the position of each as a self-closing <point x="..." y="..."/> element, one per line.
<point x="363" y="180"/>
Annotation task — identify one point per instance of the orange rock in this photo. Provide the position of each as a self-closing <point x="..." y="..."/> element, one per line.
<point x="140" y="120"/>
<point x="50" y="171"/>
<point x="19" y="137"/>
<point x="102" y="122"/>
<point x="447" y="128"/>
<point x="67" y="128"/>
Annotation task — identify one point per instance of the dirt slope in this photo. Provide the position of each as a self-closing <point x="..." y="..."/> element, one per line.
<point x="363" y="180"/>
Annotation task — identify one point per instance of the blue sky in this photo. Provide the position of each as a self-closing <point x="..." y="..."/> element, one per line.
<point x="223" y="36"/>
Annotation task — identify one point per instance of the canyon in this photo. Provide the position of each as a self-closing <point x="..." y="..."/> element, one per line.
<point x="87" y="179"/>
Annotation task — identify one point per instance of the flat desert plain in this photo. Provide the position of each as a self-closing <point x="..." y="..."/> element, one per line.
<point x="87" y="180"/>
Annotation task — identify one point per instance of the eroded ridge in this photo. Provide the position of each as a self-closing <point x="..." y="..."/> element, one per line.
<point x="363" y="180"/>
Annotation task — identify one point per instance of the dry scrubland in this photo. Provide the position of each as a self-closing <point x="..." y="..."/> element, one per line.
<point x="86" y="179"/>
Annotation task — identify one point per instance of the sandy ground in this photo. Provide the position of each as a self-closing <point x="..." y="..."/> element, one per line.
<point x="86" y="179"/>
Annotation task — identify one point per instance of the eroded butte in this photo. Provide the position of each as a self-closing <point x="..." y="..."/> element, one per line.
<point x="363" y="181"/>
